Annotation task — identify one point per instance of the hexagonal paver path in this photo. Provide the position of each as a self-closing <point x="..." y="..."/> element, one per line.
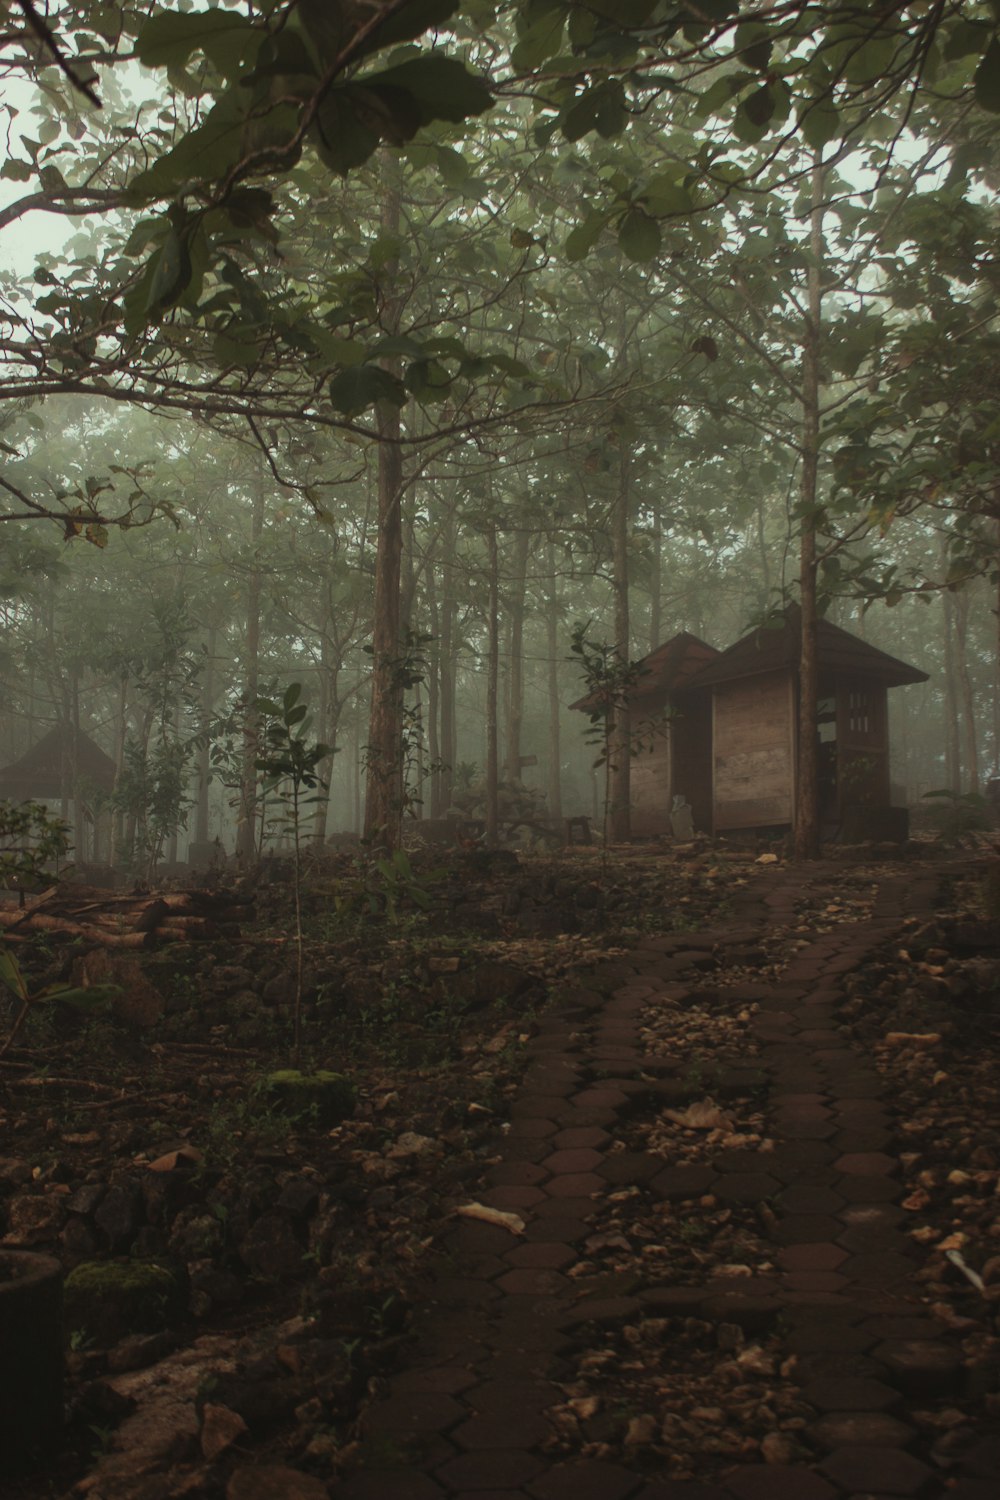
<point x="468" y="1418"/>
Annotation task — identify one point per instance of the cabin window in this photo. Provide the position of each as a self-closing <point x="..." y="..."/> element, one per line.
<point x="860" y="715"/>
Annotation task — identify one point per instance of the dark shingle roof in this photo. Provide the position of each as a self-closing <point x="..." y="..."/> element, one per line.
<point x="666" y="670"/>
<point x="38" y="773"/>
<point x="773" y="648"/>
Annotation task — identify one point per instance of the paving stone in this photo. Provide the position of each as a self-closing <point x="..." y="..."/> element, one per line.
<point x="389" y="1484"/>
<point x="587" y="1479"/>
<point x="864" y="1138"/>
<point x="882" y="1267"/>
<point x="806" y="1229"/>
<point x="780" y="1101"/>
<point x="571" y="1117"/>
<point x="511" y="1397"/>
<point x="869" y="1189"/>
<point x="677" y="1183"/>
<point x="886" y="1470"/>
<point x="973" y="1489"/>
<point x="532" y="1129"/>
<point x="537" y="1107"/>
<point x="406" y="1413"/>
<point x="516" y="1198"/>
<point x="562" y="1230"/>
<point x="551" y="1256"/>
<point x="604" y="1312"/>
<point x="575" y="1185"/>
<point x="565" y="1208"/>
<point x="828" y="1338"/>
<point x="805" y="1199"/>
<point x="850" y="1429"/>
<point x="859" y="1088"/>
<point x="682" y="1301"/>
<point x="745" y="1187"/>
<point x="582" y="1159"/>
<point x="680" y="1489"/>
<point x="472" y="1238"/>
<point x="868" y="1239"/>
<point x="777" y="1482"/>
<point x="517" y="1174"/>
<point x="465" y="1291"/>
<point x="753" y="1314"/>
<point x="892" y="1329"/>
<point x="630" y="1168"/>
<point x="481" y="1432"/>
<point x="919" y="1368"/>
<point x="850" y="1393"/>
<point x="586" y="1137"/>
<point x="867" y="1164"/>
<point x="863" y="1112"/>
<point x="600" y="1098"/>
<point x="510" y="1469"/>
<point x="821" y="1256"/>
<point x="815" y="1281"/>
<point x="533" y="1282"/>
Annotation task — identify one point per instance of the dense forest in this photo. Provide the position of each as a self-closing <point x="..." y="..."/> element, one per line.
<point x="380" y="347"/>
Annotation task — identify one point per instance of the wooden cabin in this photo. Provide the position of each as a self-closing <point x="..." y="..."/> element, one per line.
<point x="64" y="767"/>
<point x="753" y="687"/>
<point x="674" y="731"/>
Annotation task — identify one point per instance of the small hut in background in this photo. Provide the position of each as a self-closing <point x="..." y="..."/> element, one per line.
<point x="674" y="730"/>
<point x="753" y="688"/>
<point x="67" y="768"/>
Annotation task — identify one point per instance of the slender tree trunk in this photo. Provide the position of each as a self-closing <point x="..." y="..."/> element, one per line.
<point x="966" y="695"/>
<point x="952" y="747"/>
<point x="807" y="829"/>
<point x="619" y="782"/>
<point x="656" y="583"/>
<point x="515" y="675"/>
<point x="433" y="693"/>
<point x="554" y="796"/>
<point x="996" y="654"/>
<point x="118" y="846"/>
<point x="204" y="750"/>
<point x="448" y="668"/>
<point x="246" y="825"/>
<point x="492" y="685"/>
<point x="384" y="780"/>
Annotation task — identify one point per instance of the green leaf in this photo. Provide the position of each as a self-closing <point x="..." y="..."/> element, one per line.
<point x="293" y="692"/>
<point x="94" y="997"/>
<point x="341" y="138"/>
<point x="354" y="391"/>
<point x="10" y="974"/>
<point x="16" y="171"/>
<point x="172" y="273"/>
<point x="663" y="194"/>
<point x="987" y="79"/>
<point x="540" y="41"/>
<point x="581" y="240"/>
<point x="442" y="87"/>
<point x="819" y="123"/>
<point x="639" y="236"/>
<point x="170" y="37"/>
<point x="602" y="109"/>
<point x="753" y="45"/>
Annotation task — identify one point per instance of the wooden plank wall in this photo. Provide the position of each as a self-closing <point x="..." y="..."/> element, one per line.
<point x="754" y="759"/>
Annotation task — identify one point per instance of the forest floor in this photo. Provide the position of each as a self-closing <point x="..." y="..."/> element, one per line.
<point x="306" y="1257"/>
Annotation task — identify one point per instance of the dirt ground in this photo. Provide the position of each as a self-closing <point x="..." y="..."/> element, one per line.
<point x="149" y="1132"/>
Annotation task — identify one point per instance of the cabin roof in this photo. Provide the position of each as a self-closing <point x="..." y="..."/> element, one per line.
<point x="39" y="772"/>
<point x="666" y="670"/>
<point x="775" y="648"/>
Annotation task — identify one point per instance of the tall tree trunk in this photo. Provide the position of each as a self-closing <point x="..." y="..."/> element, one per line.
<point x="204" y="763"/>
<point x="246" y="824"/>
<point x="448" y="667"/>
<point x="384" y="778"/>
<point x="554" y="783"/>
<point x="326" y="719"/>
<point x="117" y="853"/>
<point x="492" y="684"/>
<point x="433" y="692"/>
<point x="656" y="582"/>
<point x="620" y="780"/>
<point x="952" y="746"/>
<point x="807" y="829"/>
<point x="966" y="695"/>
<point x="515" y="674"/>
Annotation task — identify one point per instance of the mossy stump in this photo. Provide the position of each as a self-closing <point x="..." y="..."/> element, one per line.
<point x="322" y="1097"/>
<point x="31" y="1357"/>
<point x="106" y="1300"/>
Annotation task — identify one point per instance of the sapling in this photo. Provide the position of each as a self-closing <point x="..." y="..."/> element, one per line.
<point x="288" y="764"/>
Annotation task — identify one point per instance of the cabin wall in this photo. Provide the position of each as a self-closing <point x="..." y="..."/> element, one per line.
<point x="650" y="788"/>
<point x="754" y="752"/>
<point x="691" y="738"/>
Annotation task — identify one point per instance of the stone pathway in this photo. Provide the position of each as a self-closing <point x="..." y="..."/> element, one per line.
<point x="490" y="1336"/>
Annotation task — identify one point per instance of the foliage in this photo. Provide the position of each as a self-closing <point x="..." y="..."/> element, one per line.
<point x="88" y="999"/>
<point x="288" y="764"/>
<point x="31" y="841"/>
<point x="958" y="813"/>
